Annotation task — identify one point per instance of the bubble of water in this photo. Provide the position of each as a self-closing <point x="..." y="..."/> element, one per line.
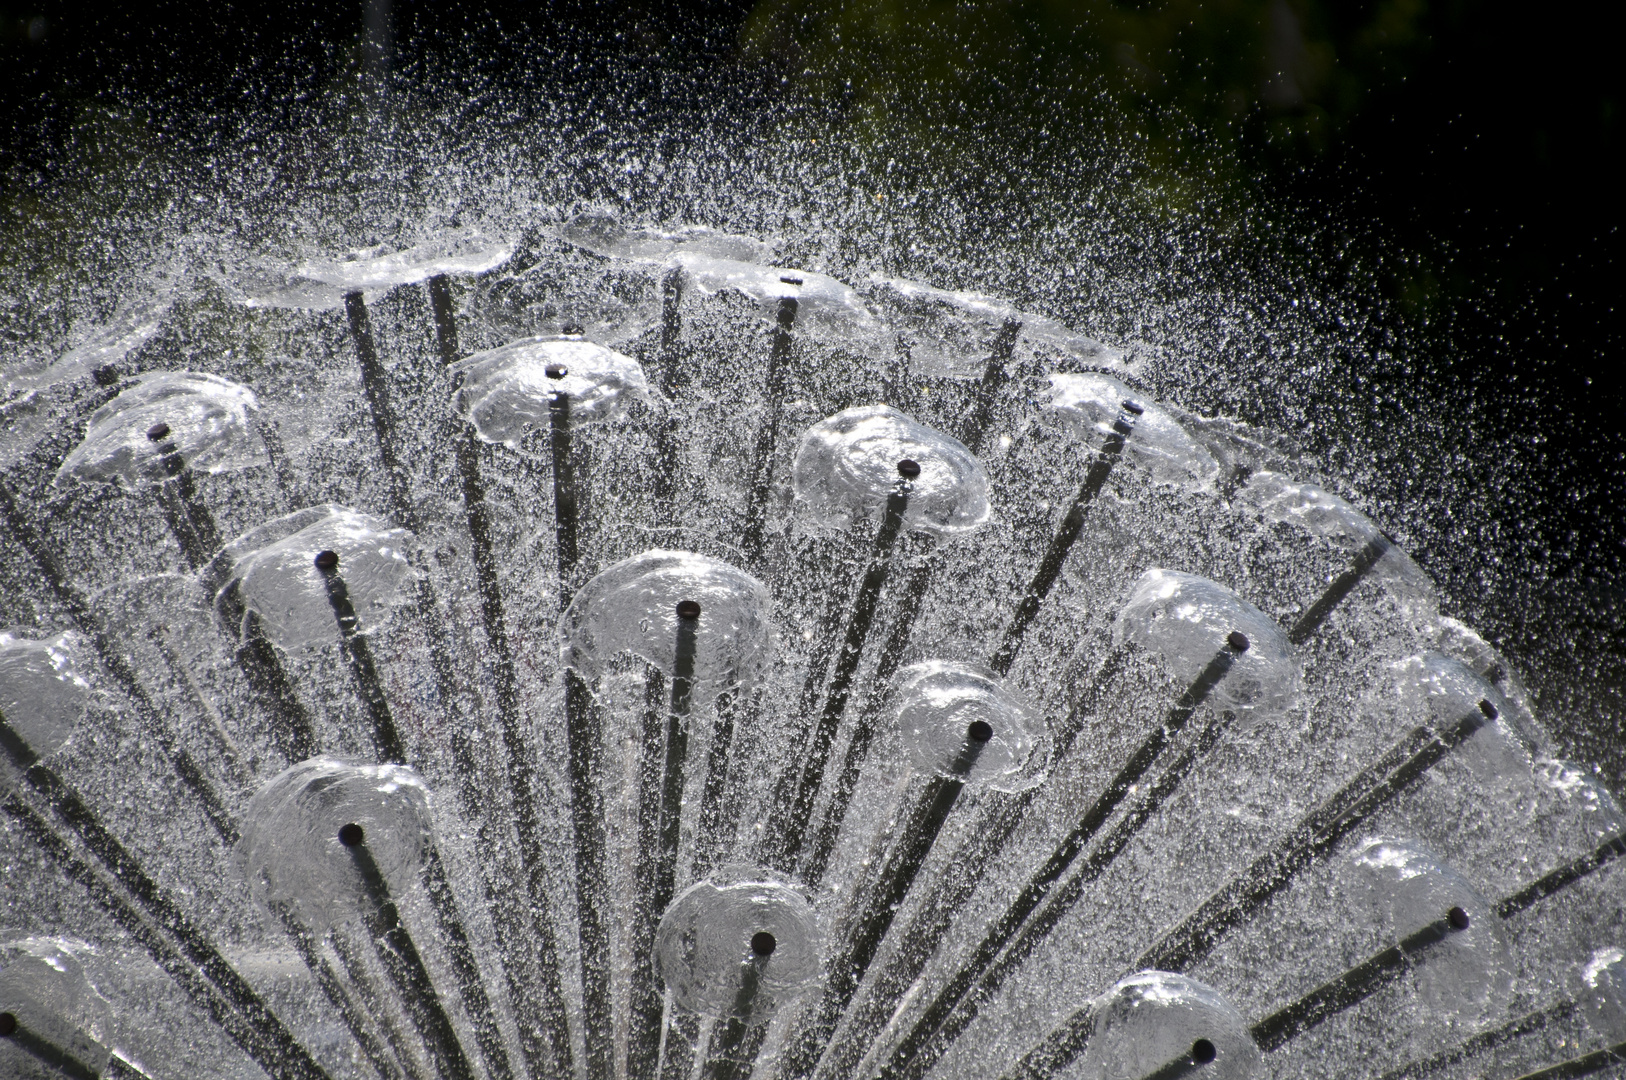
<point x="1090" y="403"/>
<point x="131" y="326"/>
<point x="1461" y="642"/>
<point x="849" y="463"/>
<point x="1601" y="991"/>
<point x="207" y="420"/>
<point x="1279" y="498"/>
<point x="274" y="571"/>
<point x="1434" y="688"/>
<point x="290" y="852"/>
<point x="939" y="701"/>
<point x="42" y="695"/>
<point x="632" y="607"/>
<point x="603" y="234"/>
<point x="1187" y="619"/>
<point x="952" y="332"/>
<point x="1462" y="977"/>
<point x="1153" y="1019"/>
<point x="506" y="392"/>
<point x="44" y="986"/>
<point x="321" y="284"/>
<point x="704" y="943"/>
<point x="1584" y="798"/>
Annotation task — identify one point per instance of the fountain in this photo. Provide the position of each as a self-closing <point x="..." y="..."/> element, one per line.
<point x="726" y="670"/>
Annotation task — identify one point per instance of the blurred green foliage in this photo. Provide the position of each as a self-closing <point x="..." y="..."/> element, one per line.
<point x="1184" y="77"/>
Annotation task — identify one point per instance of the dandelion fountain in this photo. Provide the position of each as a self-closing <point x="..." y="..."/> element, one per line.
<point x="727" y="670"/>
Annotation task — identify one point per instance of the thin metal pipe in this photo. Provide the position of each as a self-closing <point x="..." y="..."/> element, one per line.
<point x="199" y="535"/>
<point x="1038" y="926"/>
<point x="402" y="961"/>
<point x="919" y="825"/>
<point x="785" y="845"/>
<point x="761" y="480"/>
<point x="583" y="735"/>
<point x="454" y="939"/>
<point x="43" y="1050"/>
<point x="1513" y="1030"/>
<point x="174" y="944"/>
<point x="716" y="822"/>
<point x="1040" y="883"/>
<point x="1565" y="876"/>
<point x="386" y="736"/>
<point x="1202" y="1052"/>
<point x="375" y="386"/>
<point x="1355" y="985"/>
<point x="224" y="743"/>
<point x="994" y="377"/>
<point x="379" y="1002"/>
<point x="1341" y="586"/>
<point x="536" y="993"/>
<point x="677" y="751"/>
<point x="309" y="950"/>
<point x="823" y="844"/>
<point x="151" y="718"/>
<point x="646" y="1002"/>
<point x="1312" y="838"/>
<point x="736" y="1043"/>
<point x="666" y="434"/>
<point x="1061" y="544"/>
<point x="1585" y="1065"/>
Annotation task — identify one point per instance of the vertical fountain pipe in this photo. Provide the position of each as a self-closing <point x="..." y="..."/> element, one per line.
<point x="540" y="1008"/>
<point x="716" y="818"/>
<point x="359" y="654"/>
<point x="994" y="378"/>
<point x="402" y="961"/>
<point x="273" y="1045"/>
<point x="785" y="845"/>
<point x="735" y="1045"/>
<point x="378" y="1002"/>
<point x="189" y="519"/>
<point x="761" y="479"/>
<point x="677" y="753"/>
<point x="42" y="1050"/>
<point x="375" y="385"/>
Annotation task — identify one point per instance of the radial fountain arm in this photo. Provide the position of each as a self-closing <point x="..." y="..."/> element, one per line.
<point x="761" y="477"/>
<point x="359" y="654"/>
<point x="995" y="375"/>
<point x="910" y="1056"/>
<point x="1067" y="533"/>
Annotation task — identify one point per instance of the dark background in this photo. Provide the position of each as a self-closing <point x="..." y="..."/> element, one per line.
<point x="1471" y="144"/>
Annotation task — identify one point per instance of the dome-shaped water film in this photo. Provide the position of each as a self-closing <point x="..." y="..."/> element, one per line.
<point x="953" y="332"/>
<point x="60" y="1027"/>
<point x="604" y="234"/>
<point x="633" y="607"/>
<point x="42" y="695"/>
<point x="322" y="284"/>
<point x="1602" y="993"/>
<point x="166" y="421"/>
<point x="706" y="940"/>
<point x="131" y="326"/>
<point x="1153" y="1020"/>
<point x="939" y="707"/>
<point x="272" y="572"/>
<point x="291" y="852"/>
<point x="1586" y="800"/>
<point x="826" y="309"/>
<point x="507" y="393"/>
<point x="1090" y="404"/>
<point x="1188" y="621"/>
<point x="849" y="463"/>
<point x="1435" y="688"/>
<point x="1449" y="933"/>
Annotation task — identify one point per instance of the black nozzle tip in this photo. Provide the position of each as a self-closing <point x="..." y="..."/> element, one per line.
<point x="1136" y="408"/>
<point x="979" y="731"/>
<point x="572" y="329"/>
<point x="1488" y="709"/>
<point x="352" y="834"/>
<point x="1237" y="640"/>
<point x="1203" y="1051"/>
<point x="763" y="943"/>
<point x="1458" y="918"/>
<point x="688" y="609"/>
<point x="106" y="375"/>
<point x="909" y="468"/>
<point x="791" y="280"/>
<point x="556" y="371"/>
<point x="327" y="560"/>
<point x="8" y="1025"/>
<point x="158" y="432"/>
